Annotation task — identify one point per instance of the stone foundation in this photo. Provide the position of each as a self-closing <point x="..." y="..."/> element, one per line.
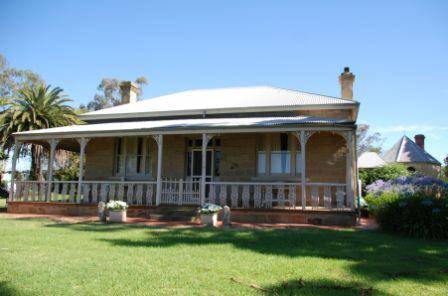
<point x="329" y="218"/>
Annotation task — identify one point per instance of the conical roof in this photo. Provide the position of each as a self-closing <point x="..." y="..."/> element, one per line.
<point x="406" y="151"/>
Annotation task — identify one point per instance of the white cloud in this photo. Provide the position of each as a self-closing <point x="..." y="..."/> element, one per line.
<point x="411" y="129"/>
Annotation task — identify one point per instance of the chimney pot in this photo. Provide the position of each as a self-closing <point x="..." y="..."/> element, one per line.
<point x="420" y="140"/>
<point x="346" y="80"/>
<point x="129" y="92"/>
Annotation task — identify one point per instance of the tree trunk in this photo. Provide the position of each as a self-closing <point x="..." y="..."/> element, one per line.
<point x="36" y="156"/>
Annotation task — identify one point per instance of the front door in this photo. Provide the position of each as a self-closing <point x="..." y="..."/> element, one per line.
<point x="194" y="166"/>
<point x="194" y="160"/>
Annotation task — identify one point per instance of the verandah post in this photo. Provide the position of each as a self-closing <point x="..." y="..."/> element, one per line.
<point x="303" y="140"/>
<point x="349" y="171"/>
<point x="53" y="144"/>
<point x="205" y="139"/>
<point x="203" y="166"/>
<point x="303" y="137"/>
<point x="13" y="169"/>
<point x="82" y="145"/>
<point x="159" y="140"/>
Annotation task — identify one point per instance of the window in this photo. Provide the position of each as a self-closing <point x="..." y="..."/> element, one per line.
<point x="132" y="157"/>
<point x="298" y="162"/>
<point x="139" y="154"/>
<point x="148" y="159"/>
<point x="280" y="162"/>
<point x="261" y="165"/>
<point x="283" y="159"/>
<point x="119" y="168"/>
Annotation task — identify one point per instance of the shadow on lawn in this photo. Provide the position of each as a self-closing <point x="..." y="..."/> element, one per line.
<point x="320" y="287"/>
<point x="374" y="255"/>
<point x="7" y="290"/>
<point x="94" y="226"/>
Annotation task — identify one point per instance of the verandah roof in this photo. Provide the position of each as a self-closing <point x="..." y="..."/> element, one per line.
<point x="178" y="126"/>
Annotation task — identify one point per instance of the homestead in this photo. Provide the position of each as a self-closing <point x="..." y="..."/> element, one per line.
<point x="272" y="153"/>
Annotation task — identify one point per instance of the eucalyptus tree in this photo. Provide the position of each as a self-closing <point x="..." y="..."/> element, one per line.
<point x="109" y="93"/>
<point x="12" y="80"/>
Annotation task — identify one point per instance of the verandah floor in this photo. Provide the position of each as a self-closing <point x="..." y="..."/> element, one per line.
<point x="43" y="257"/>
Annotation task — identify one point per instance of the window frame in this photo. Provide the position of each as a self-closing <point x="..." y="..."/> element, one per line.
<point x="122" y="157"/>
<point x="292" y="149"/>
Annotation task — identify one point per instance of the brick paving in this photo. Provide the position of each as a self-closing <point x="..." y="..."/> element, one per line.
<point x="363" y="223"/>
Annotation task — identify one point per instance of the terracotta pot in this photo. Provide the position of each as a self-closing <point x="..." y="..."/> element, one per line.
<point x="117" y="216"/>
<point x="210" y="219"/>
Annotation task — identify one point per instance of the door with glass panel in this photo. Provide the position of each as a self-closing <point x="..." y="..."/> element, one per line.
<point x="194" y="160"/>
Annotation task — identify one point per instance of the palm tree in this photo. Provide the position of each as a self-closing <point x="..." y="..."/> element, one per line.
<point x="35" y="108"/>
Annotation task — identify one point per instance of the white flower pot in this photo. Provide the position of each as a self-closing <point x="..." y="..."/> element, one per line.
<point x="210" y="219"/>
<point x="117" y="216"/>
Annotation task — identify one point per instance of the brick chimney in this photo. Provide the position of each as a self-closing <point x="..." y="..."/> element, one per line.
<point x="129" y="92"/>
<point x="420" y="140"/>
<point x="346" y="79"/>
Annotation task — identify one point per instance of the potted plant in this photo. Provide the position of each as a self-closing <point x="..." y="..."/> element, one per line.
<point x="117" y="211"/>
<point x="209" y="214"/>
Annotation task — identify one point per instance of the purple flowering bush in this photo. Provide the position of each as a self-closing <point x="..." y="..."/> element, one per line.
<point x="409" y="185"/>
<point x="415" y="206"/>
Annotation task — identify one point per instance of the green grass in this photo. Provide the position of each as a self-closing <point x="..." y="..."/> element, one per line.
<point x="40" y="257"/>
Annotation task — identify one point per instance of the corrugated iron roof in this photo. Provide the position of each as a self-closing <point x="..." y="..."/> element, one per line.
<point x="406" y="151"/>
<point x="182" y="124"/>
<point x="244" y="99"/>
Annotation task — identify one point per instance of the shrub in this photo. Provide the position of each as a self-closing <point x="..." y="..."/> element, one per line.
<point x="385" y="173"/>
<point x="413" y="206"/>
<point x="409" y="185"/>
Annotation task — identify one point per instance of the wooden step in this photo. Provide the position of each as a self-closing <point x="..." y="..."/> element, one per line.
<point x="174" y="213"/>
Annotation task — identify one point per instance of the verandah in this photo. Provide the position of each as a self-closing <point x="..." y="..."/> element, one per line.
<point x="260" y="194"/>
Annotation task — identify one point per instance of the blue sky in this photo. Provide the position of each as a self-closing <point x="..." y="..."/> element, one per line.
<point x="398" y="51"/>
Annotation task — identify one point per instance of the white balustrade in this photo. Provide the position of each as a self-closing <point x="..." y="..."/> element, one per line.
<point x="91" y="191"/>
<point x="180" y="192"/>
<point x="244" y="195"/>
<point x="328" y="196"/>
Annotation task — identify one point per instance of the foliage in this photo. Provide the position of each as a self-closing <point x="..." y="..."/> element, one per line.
<point x="35" y="108"/>
<point x="444" y="170"/>
<point x="416" y="215"/>
<point x="385" y="173"/>
<point x="110" y="93"/>
<point x="12" y="80"/>
<point x="408" y="185"/>
<point x="116" y="205"/>
<point x="209" y="208"/>
<point x="366" y="142"/>
<point x="413" y="206"/>
<point x="3" y="192"/>
<point x="3" y="161"/>
<point x="70" y="170"/>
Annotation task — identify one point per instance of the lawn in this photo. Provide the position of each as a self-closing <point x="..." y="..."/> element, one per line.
<point x="41" y="257"/>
